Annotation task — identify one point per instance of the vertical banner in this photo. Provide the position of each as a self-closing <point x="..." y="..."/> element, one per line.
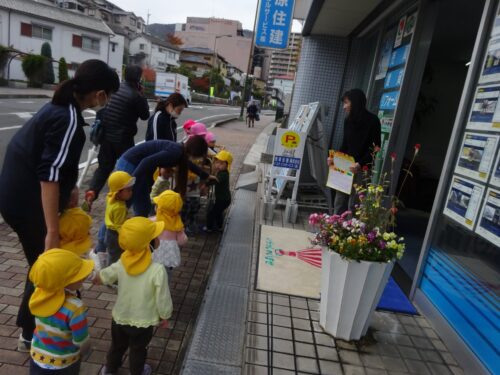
<point x="274" y="23"/>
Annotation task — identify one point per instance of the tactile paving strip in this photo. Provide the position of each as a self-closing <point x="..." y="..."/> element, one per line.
<point x="203" y="368"/>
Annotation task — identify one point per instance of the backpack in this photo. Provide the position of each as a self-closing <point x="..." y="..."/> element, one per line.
<point x="97" y="130"/>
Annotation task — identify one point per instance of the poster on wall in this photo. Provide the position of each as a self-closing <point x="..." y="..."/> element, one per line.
<point x="477" y="155"/>
<point x="411" y="22"/>
<point x="399" y="56"/>
<point x="485" y="111"/>
<point x="393" y="79"/>
<point x="491" y="67"/>
<point x="385" y="55"/>
<point x="389" y="100"/>
<point x="463" y="202"/>
<point x="488" y="224"/>
<point x="400" y="33"/>
<point x="496" y="25"/>
<point x="495" y="175"/>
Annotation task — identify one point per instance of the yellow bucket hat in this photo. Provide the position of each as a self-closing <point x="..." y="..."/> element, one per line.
<point x="117" y="181"/>
<point x="53" y="271"/>
<point x="226" y="156"/>
<point x="169" y="204"/>
<point x="134" y="238"/>
<point x="74" y="226"/>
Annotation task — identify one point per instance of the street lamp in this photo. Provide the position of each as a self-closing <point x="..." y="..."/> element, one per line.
<point x="215" y="60"/>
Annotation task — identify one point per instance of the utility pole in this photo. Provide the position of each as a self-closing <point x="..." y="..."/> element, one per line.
<point x="244" y="94"/>
<point x="147" y="18"/>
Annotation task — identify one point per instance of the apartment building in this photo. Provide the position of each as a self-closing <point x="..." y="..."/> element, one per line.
<point x="284" y="62"/>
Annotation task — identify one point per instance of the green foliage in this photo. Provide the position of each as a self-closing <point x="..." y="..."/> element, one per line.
<point x="48" y="76"/>
<point x="185" y="71"/>
<point x="63" y="70"/>
<point x="33" y="67"/>
<point x="4" y="58"/>
<point x="216" y="81"/>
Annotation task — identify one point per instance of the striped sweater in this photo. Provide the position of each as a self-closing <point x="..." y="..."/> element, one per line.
<point x="57" y="338"/>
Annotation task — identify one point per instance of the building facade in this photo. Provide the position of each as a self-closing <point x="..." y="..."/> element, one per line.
<point x="204" y="59"/>
<point x="284" y="62"/>
<point x="224" y="36"/>
<point x="156" y="53"/>
<point x="25" y="25"/>
<point x="431" y="73"/>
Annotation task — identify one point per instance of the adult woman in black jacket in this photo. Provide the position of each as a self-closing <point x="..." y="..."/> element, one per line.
<point x="361" y="136"/>
<point x="41" y="168"/>
<point x="162" y="124"/>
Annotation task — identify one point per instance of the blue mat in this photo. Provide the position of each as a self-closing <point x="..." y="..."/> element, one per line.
<point x="393" y="299"/>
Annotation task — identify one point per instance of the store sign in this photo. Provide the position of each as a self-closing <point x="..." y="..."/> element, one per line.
<point x="289" y="149"/>
<point x="274" y="23"/>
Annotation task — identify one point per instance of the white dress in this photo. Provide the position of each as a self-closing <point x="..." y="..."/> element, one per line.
<point x="168" y="254"/>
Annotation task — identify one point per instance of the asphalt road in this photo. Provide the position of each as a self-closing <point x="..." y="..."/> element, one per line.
<point x="15" y="112"/>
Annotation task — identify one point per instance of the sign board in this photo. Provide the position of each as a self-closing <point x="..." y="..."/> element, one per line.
<point x="289" y="149"/>
<point x="274" y="23"/>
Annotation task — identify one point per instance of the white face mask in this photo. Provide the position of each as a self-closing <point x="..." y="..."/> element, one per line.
<point x="174" y="114"/>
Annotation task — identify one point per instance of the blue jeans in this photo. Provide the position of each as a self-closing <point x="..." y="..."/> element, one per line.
<point x="141" y="202"/>
<point x="101" y="239"/>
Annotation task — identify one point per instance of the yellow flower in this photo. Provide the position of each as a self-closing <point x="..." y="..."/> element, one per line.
<point x="380" y="189"/>
<point x="386" y="236"/>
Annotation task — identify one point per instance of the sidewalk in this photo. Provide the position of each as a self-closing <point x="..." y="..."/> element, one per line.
<point x="168" y="347"/>
<point x="25" y="93"/>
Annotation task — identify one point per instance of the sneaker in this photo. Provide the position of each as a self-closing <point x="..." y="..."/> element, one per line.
<point x="147" y="370"/>
<point x="23" y="345"/>
<point x="105" y="371"/>
<point x="97" y="261"/>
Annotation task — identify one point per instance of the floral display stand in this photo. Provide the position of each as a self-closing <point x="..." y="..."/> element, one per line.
<point x="350" y="292"/>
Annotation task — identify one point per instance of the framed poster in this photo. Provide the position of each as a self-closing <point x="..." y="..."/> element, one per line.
<point x="394" y="78"/>
<point x="385" y="56"/>
<point x="464" y="200"/>
<point x="485" y="111"/>
<point x="399" y="56"/>
<point x="477" y="155"/>
<point x="488" y="225"/>
<point x="491" y="66"/>
<point x="400" y="33"/>
<point x="495" y="174"/>
<point x="389" y="100"/>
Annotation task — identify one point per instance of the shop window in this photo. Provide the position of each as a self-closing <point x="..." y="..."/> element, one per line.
<point x="142" y="46"/>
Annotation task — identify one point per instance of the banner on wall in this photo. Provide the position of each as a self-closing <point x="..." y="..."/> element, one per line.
<point x="464" y="200"/>
<point x="488" y="225"/>
<point x="485" y="111"/>
<point x="477" y="155"/>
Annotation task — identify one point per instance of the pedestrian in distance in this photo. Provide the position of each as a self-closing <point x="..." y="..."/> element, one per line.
<point x="143" y="300"/>
<point x="361" y="136"/>
<point x="61" y="335"/>
<point x="41" y="169"/>
<point x="142" y="160"/>
<point x="119" y="123"/>
<point x="215" y="216"/>
<point x="162" y="124"/>
<point x="168" y="208"/>
<point x="252" y="111"/>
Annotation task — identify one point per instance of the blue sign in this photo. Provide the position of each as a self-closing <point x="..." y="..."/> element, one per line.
<point x="274" y="23"/>
<point x="393" y="79"/>
<point x="286" y="162"/>
<point x="389" y="100"/>
<point x="399" y="56"/>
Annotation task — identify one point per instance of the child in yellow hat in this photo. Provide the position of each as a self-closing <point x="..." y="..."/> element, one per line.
<point x="74" y="231"/>
<point x="215" y="216"/>
<point x="168" y="208"/>
<point x="143" y="295"/>
<point x="120" y="191"/>
<point x="61" y="334"/>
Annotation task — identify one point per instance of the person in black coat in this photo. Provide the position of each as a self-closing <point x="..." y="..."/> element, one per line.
<point x="162" y="124"/>
<point x="40" y="169"/>
<point x="119" y="122"/>
<point x="362" y="133"/>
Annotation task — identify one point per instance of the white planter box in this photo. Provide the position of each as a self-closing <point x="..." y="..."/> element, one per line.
<point x="350" y="291"/>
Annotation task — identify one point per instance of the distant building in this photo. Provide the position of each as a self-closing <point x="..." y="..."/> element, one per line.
<point x="202" y="32"/>
<point x="25" y="25"/>
<point x="284" y="84"/>
<point x="284" y="62"/>
<point x="154" y="52"/>
<point x="202" y="60"/>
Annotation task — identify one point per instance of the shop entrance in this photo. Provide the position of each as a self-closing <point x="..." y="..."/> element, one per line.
<point x="437" y="103"/>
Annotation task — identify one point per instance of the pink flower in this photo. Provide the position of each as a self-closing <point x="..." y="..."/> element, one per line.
<point x="417" y="148"/>
<point x="365" y="168"/>
<point x="314" y="219"/>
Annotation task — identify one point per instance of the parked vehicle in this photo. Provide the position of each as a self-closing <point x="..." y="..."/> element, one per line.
<point x="168" y="83"/>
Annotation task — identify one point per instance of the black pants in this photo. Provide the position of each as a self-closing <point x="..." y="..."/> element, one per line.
<point x="109" y="153"/>
<point x="215" y="216"/>
<point x="74" y="369"/>
<point x="31" y="232"/>
<point x="133" y="338"/>
<point x="113" y="247"/>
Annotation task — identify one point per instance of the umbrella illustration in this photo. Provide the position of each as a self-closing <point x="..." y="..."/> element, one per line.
<point x="311" y="256"/>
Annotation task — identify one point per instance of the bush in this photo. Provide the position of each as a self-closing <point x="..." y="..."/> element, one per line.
<point x="33" y="67"/>
<point x="4" y="58"/>
<point x="48" y="76"/>
<point x="63" y="70"/>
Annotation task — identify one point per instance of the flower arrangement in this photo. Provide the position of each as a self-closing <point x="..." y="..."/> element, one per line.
<point x="368" y="233"/>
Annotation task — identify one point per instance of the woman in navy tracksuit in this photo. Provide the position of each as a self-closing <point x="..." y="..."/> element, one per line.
<point x="162" y="124"/>
<point x="41" y="168"/>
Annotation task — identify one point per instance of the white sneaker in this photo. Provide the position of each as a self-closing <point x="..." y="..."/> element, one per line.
<point x="23" y="345"/>
<point x="147" y="370"/>
<point x="97" y="262"/>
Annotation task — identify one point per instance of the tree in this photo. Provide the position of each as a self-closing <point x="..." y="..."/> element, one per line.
<point x="4" y="58"/>
<point x="48" y="76"/>
<point x="63" y="70"/>
<point x="200" y="84"/>
<point x="174" y="40"/>
<point x="185" y="71"/>
<point x="33" y="67"/>
<point x="216" y="81"/>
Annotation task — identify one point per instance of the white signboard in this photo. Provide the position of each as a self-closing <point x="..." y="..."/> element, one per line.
<point x="485" y="111"/>
<point x="289" y="149"/>
<point x="477" y="155"/>
<point x="464" y="200"/>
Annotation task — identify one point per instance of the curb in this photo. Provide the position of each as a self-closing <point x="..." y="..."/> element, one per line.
<point x="24" y="96"/>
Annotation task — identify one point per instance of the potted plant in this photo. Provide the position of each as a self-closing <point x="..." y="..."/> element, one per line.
<point x="359" y="251"/>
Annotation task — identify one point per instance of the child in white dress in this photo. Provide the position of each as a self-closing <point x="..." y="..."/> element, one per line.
<point x="168" y="208"/>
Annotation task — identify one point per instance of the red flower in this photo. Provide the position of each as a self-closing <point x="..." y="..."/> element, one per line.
<point x="393" y="156"/>
<point x="394" y="210"/>
<point x="365" y="168"/>
<point x="417" y="148"/>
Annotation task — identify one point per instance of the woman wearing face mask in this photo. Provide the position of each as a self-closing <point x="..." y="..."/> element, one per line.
<point x="162" y="125"/>
<point x="41" y="169"/>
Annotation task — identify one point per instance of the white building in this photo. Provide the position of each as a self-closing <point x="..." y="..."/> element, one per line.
<point x="25" y="25"/>
<point x="156" y="53"/>
<point x="284" y="84"/>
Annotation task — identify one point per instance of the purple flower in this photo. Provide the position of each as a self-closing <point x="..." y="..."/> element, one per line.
<point x="382" y="244"/>
<point x="345" y="214"/>
<point x="371" y="236"/>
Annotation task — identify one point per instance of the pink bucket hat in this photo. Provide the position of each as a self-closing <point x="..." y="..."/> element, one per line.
<point x="198" y="129"/>
<point x="210" y="137"/>
<point x="187" y="125"/>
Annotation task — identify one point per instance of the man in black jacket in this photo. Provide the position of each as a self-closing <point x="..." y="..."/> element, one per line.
<point x="119" y="122"/>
